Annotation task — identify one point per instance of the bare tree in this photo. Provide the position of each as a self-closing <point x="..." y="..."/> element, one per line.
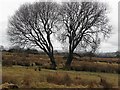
<point x="83" y="21"/>
<point x="33" y="25"/>
<point x="90" y="48"/>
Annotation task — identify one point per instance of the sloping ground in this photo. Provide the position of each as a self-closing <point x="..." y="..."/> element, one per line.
<point x="28" y="77"/>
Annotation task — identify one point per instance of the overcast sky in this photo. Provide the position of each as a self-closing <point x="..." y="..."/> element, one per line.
<point x="8" y="8"/>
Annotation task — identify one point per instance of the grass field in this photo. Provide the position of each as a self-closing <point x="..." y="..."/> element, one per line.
<point x="96" y="73"/>
<point x="27" y="77"/>
<point x="109" y="65"/>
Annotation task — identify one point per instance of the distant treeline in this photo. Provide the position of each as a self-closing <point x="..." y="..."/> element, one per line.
<point x="83" y="54"/>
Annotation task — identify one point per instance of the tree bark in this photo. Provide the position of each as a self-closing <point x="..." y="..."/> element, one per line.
<point x="53" y="63"/>
<point x="69" y="61"/>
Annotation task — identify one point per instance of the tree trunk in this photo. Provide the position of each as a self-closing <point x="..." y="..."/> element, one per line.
<point x="69" y="61"/>
<point x="53" y="63"/>
<point x="90" y="58"/>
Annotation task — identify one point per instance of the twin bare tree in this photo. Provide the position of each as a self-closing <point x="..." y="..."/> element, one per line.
<point x="82" y="22"/>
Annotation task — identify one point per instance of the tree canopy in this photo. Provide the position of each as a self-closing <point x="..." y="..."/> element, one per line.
<point x="78" y="23"/>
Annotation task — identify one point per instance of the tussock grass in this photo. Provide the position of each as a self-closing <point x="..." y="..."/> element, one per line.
<point x="95" y="67"/>
<point x="29" y="78"/>
<point x="33" y="72"/>
<point x="108" y="65"/>
<point x="60" y="79"/>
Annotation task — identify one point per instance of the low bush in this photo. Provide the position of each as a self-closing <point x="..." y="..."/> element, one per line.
<point x="38" y="64"/>
<point x="23" y="63"/>
<point x="60" y="79"/>
<point x="96" y="67"/>
<point x="7" y="63"/>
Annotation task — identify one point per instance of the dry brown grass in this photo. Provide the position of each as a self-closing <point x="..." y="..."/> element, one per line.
<point x="80" y="64"/>
<point x="29" y="78"/>
<point x="95" y="67"/>
<point x="60" y="79"/>
<point x="44" y="58"/>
